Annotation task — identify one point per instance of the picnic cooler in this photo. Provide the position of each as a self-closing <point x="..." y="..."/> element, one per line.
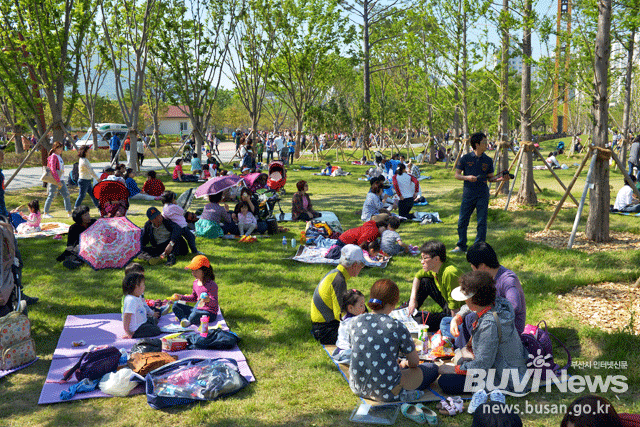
<point x="16" y="345"/>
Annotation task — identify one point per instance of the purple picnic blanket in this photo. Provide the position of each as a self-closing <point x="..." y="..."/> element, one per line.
<point x="5" y="372"/>
<point x="106" y="329"/>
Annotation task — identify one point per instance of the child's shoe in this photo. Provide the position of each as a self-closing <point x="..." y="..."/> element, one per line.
<point x="478" y="398"/>
<point x="185" y="323"/>
<point x="166" y="310"/>
<point x="497" y="396"/>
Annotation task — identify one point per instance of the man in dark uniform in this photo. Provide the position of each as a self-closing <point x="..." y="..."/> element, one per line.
<point x="475" y="169"/>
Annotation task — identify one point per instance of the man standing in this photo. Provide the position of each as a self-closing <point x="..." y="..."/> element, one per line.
<point x="328" y="296"/>
<point x="437" y="279"/>
<point x="291" y="145"/>
<point x="475" y="169"/>
<point x="634" y="157"/>
<point x="114" y="144"/>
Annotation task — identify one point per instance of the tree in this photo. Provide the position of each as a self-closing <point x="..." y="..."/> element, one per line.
<point x="599" y="197"/>
<point x="39" y="55"/>
<point x="369" y="15"/>
<point x="308" y="42"/>
<point x="252" y="45"/>
<point x="157" y="84"/>
<point x="127" y="28"/>
<point x="193" y="42"/>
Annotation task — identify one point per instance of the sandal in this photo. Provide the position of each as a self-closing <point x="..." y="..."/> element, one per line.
<point x="429" y="414"/>
<point x="413" y="412"/>
<point x="452" y="406"/>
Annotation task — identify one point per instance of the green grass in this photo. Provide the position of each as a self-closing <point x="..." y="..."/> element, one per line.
<point x="265" y="298"/>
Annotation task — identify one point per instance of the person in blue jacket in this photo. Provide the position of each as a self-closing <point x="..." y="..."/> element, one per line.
<point x="114" y="144"/>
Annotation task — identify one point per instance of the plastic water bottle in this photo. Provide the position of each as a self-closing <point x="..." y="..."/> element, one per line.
<point x="293" y="242"/>
<point x="284" y="240"/>
<point x="204" y="326"/>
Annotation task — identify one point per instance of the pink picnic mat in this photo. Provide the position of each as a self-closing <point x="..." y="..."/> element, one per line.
<point x="106" y="329"/>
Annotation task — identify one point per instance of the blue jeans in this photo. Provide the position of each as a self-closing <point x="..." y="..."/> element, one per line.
<point x="192" y="314"/>
<point x="269" y="156"/>
<point x="470" y="201"/>
<point x="85" y="187"/>
<point x="52" y="190"/>
<point x="464" y="329"/>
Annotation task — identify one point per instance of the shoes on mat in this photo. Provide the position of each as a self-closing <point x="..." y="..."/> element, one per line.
<point x="185" y="323"/>
<point x="166" y="309"/>
<point x="478" y="398"/>
<point x="453" y="405"/>
<point x="419" y="413"/>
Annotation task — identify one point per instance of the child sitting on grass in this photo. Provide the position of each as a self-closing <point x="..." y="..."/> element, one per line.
<point x="138" y="320"/>
<point x="391" y="243"/>
<point x="205" y="294"/>
<point x="352" y="306"/>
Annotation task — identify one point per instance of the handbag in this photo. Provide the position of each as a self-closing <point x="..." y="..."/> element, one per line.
<point x="47" y="177"/>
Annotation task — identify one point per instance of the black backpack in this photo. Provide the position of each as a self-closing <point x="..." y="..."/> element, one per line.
<point x="95" y="364"/>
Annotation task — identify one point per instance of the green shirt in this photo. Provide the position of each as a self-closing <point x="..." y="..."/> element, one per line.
<point x="446" y="280"/>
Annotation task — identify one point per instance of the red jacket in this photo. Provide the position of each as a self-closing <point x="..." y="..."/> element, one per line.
<point x="367" y="232"/>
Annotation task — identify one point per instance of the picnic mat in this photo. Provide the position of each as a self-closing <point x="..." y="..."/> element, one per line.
<point x="325" y="216"/>
<point x="419" y="216"/>
<point x="626" y="213"/>
<point x="106" y="329"/>
<point x="5" y="372"/>
<point x="315" y="255"/>
<point x="48" y="229"/>
<point x="433" y="394"/>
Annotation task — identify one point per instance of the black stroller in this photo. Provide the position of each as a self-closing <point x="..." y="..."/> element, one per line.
<point x="267" y="200"/>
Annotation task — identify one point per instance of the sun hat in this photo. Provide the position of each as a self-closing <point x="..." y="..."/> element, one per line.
<point x="197" y="262"/>
<point x="351" y="254"/>
<point x="458" y="295"/>
<point x="152" y="213"/>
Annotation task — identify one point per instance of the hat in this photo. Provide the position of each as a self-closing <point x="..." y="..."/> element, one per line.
<point x="458" y="295"/>
<point x="351" y="254"/>
<point x="152" y="213"/>
<point x="197" y="262"/>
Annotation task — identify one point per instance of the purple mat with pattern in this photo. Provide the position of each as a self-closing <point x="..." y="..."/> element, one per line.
<point x="4" y="373"/>
<point x="106" y="329"/>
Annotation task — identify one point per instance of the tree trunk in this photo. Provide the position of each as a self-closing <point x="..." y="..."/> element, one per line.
<point x="599" y="197"/>
<point x="298" y="135"/>
<point x="627" y="96"/>
<point x="503" y="126"/>
<point x="465" y="63"/>
<point x="526" y="193"/>
<point x="366" y="76"/>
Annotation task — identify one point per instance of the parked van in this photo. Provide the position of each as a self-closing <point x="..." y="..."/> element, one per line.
<point x="105" y="132"/>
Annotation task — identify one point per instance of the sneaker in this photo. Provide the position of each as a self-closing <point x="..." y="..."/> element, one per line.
<point x="411" y="395"/>
<point x="478" y="398"/>
<point x="171" y="260"/>
<point x="167" y="309"/>
<point x="457" y="250"/>
<point x="497" y="396"/>
<point x="46" y="216"/>
<point x="185" y="323"/>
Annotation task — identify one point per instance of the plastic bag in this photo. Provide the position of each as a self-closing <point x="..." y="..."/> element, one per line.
<point x="118" y="383"/>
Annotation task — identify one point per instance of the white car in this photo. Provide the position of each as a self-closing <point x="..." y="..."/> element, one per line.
<point x="105" y="132"/>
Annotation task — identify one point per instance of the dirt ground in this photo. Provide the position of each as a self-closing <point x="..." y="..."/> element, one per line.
<point x="609" y="306"/>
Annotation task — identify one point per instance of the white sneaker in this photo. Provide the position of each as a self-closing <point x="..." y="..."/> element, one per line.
<point x="478" y="398"/>
<point x="46" y="216"/>
<point x="185" y="323"/>
<point x="497" y="396"/>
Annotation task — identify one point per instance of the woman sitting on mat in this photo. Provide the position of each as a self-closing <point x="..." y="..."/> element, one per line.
<point x="378" y="341"/>
<point x="301" y="208"/>
<point x="495" y="342"/>
<point x="180" y="176"/>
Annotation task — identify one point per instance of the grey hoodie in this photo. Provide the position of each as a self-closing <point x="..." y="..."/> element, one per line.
<point x="508" y="353"/>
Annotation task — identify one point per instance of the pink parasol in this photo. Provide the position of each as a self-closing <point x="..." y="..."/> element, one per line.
<point x="218" y="184"/>
<point x="110" y="243"/>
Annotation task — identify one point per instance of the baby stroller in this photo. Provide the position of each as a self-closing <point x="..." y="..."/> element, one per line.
<point x="256" y="181"/>
<point x="277" y="176"/>
<point x="113" y="198"/>
<point x="267" y="200"/>
<point x="10" y="273"/>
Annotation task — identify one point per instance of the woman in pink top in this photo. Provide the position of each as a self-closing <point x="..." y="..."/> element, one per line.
<point x="56" y="165"/>
<point x="175" y="213"/>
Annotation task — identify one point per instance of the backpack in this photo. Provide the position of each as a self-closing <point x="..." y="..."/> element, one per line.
<point x="537" y="341"/>
<point x="95" y="364"/>
<point x="16" y="345"/>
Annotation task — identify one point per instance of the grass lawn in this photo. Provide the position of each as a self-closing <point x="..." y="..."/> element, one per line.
<point x="265" y="298"/>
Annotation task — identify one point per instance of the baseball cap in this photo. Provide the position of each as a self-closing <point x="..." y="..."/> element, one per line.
<point x="152" y="213"/>
<point x="351" y="254"/>
<point x="197" y="262"/>
<point x="458" y="295"/>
